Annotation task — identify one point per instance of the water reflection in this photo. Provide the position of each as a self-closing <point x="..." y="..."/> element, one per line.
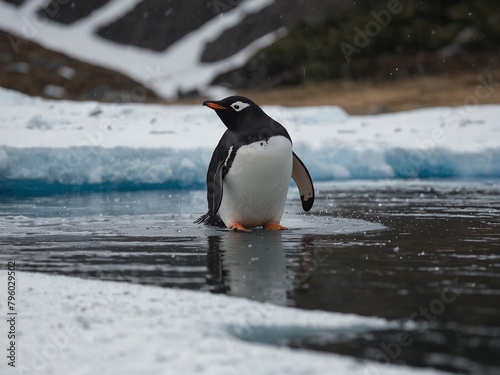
<point x="251" y="266"/>
<point x="435" y="233"/>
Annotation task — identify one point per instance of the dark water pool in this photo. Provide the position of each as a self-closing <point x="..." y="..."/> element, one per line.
<point x="425" y="251"/>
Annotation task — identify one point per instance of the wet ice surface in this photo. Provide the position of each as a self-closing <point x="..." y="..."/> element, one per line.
<point x="428" y="251"/>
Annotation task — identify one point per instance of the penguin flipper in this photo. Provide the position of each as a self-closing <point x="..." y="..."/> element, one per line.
<point x="217" y="188"/>
<point x="211" y="218"/>
<point x="302" y="178"/>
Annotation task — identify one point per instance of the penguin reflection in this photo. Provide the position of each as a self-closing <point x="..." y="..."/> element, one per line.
<point x="250" y="266"/>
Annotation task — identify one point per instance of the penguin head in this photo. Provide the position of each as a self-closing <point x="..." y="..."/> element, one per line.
<point x="236" y="112"/>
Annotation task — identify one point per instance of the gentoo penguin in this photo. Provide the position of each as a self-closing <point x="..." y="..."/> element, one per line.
<point x="250" y="170"/>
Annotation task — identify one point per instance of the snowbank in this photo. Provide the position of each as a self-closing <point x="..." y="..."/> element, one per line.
<point x="48" y="146"/>
<point x="73" y="326"/>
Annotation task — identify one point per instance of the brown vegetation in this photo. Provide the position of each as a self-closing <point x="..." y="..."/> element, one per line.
<point x="369" y="97"/>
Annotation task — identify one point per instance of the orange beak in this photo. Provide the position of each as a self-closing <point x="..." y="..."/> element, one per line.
<point x="213" y="105"/>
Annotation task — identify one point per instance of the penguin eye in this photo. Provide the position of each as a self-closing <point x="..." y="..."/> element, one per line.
<point x="239" y="106"/>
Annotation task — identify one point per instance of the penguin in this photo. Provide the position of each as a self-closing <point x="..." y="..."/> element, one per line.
<point x="250" y="169"/>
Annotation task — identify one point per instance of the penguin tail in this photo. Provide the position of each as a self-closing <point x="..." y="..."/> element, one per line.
<point x="211" y="220"/>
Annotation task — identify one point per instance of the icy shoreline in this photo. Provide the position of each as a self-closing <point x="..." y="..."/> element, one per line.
<point x="70" y="325"/>
<point x="55" y="146"/>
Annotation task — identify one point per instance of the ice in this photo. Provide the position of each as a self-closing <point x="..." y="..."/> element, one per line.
<point x="55" y="146"/>
<point x="167" y="225"/>
<point x="70" y="325"/>
<point x="148" y="214"/>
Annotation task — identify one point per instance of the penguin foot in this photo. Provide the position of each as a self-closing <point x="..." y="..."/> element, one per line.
<point x="240" y="228"/>
<point x="274" y="226"/>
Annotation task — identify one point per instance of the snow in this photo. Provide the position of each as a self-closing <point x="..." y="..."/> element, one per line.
<point x="49" y="145"/>
<point x="75" y="326"/>
<point x="167" y="72"/>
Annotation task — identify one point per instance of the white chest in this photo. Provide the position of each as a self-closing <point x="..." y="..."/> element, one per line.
<point x="256" y="186"/>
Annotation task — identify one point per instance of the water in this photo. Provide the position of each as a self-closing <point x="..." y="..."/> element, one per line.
<point x="424" y="252"/>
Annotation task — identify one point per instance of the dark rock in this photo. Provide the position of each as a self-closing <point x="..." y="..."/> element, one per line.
<point x="281" y="14"/>
<point x="157" y="25"/>
<point x="67" y="12"/>
<point x="14" y="2"/>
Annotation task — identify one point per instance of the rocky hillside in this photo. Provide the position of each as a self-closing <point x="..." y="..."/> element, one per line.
<point x="380" y="40"/>
<point x="147" y="49"/>
<point x="38" y="71"/>
<point x="161" y="33"/>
